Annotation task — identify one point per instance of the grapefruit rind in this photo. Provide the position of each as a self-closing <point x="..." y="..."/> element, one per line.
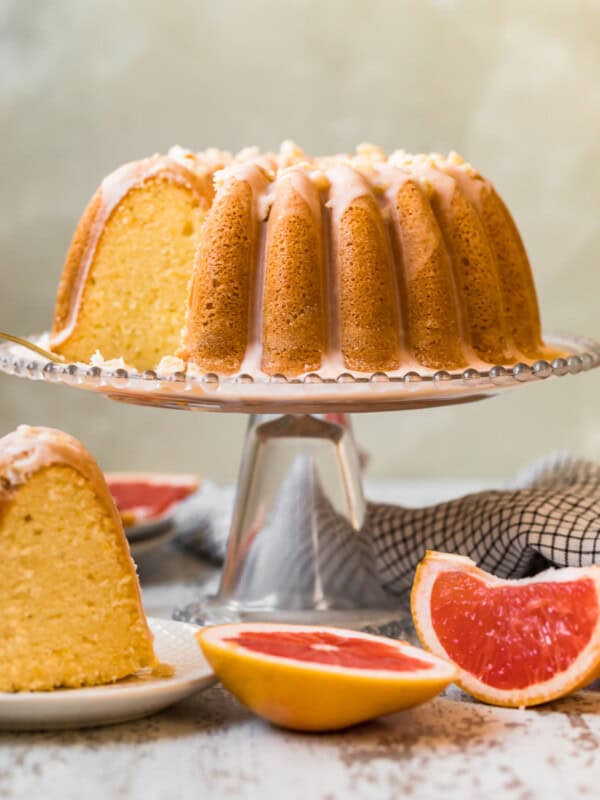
<point x="312" y="696"/>
<point x="155" y="478"/>
<point x="581" y="672"/>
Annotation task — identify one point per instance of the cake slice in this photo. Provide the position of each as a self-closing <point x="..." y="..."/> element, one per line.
<point x="70" y="605"/>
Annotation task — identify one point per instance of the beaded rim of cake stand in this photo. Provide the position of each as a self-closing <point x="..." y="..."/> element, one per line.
<point x="585" y="355"/>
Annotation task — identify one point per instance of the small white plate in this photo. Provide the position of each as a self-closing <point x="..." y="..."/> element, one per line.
<point x="131" y="698"/>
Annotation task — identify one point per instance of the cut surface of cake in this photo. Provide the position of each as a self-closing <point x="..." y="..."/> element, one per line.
<point x="70" y="603"/>
<point x="285" y="263"/>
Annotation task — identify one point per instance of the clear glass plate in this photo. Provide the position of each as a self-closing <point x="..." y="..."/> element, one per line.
<point x="308" y="394"/>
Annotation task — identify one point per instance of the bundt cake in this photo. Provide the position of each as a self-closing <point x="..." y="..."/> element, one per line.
<point x="288" y="264"/>
<point x="70" y="606"/>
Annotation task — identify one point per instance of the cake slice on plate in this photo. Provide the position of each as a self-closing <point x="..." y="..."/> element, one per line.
<point x="70" y="605"/>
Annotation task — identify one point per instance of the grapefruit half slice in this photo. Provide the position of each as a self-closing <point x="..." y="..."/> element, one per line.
<point x="148" y="497"/>
<point x="318" y="679"/>
<point x="516" y="642"/>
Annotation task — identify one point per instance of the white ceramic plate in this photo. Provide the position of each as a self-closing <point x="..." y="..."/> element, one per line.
<point x="128" y="699"/>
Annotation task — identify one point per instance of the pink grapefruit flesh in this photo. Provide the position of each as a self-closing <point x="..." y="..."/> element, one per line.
<point x="143" y="498"/>
<point x="325" y="647"/>
<point x="515" y="642"/>
<point x="538" y="629"/>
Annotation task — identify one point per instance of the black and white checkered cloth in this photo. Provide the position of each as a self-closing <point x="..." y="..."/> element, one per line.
<point x="549" y="516"/>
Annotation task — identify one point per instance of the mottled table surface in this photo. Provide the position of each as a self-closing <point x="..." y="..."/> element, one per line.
<point x="210" y="747"/>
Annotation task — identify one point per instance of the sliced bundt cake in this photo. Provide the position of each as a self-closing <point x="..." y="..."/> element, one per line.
<point x="296" y="264"/>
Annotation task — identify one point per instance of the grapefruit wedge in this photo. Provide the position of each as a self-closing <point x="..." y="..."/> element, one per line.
<point x="148" y="497"/>
<point x="319" y="679"/>
<point x="515" y="642"/>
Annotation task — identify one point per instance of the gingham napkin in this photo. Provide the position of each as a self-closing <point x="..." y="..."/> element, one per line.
<point x="550" y="515"/>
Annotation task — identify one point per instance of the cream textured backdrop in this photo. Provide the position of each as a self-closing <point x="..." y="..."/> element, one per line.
<point x="513" y="86"/>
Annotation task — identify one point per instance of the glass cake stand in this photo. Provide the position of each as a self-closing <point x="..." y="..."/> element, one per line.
<point x="298" y="548"/>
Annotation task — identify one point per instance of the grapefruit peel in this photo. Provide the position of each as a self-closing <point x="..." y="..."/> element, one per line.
<point x="569" y="625"/>
<point x="327" y="685"/>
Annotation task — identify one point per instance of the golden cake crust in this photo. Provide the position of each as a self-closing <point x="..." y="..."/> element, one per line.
<point x="369" y="320"/>
<point x="29" y="449"/>
<point x="67" y="288"/>
<point x="216" y="333"/>
<point x="429" y="301"/>
<point x="294" y="316"/>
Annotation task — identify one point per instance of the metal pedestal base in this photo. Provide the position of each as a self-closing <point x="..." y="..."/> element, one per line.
<point x="298" y="547"/>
